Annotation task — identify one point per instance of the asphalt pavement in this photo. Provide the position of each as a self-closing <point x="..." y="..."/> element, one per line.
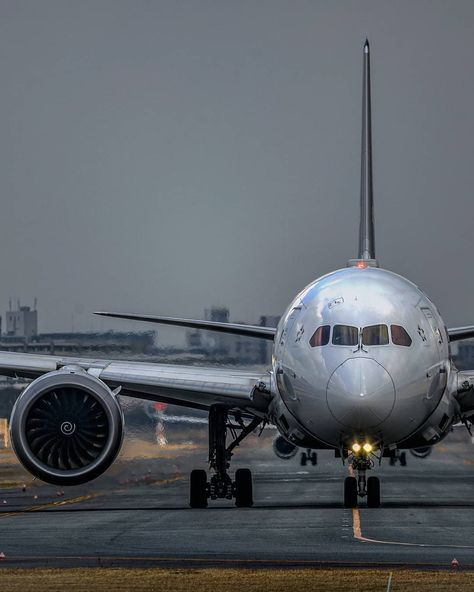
<point x="138" y="514"/>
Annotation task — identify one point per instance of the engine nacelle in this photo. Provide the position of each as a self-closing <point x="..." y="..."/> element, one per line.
<point x="66" y="428"/>
<point x="421" y="452"/>
<point x="284" y="449"/>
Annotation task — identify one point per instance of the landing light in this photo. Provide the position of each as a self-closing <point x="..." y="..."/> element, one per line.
<point x="366" y="447"/>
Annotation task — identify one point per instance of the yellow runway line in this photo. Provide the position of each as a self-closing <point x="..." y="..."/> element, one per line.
<point x="74" y="500"/>
<point x="356" y="524"/>
<point x="357" y="532"/>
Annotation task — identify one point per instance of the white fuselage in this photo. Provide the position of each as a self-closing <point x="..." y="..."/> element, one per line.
<point x="378" y="369"/>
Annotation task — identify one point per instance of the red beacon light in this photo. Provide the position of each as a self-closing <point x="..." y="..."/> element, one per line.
<point x="362" y="263"/>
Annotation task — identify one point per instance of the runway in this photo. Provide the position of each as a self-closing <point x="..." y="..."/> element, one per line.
<point x="138" y="515"/>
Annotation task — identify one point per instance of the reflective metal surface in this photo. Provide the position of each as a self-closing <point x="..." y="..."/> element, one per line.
<point x="382" y="392"/>
<point x="360" y="393"/>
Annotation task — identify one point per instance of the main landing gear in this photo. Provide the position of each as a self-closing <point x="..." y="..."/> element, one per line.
<point x="360" y="486"/>
<point x="220" y="484"/>
<point x="401" y="457"/>
<point x="309" y="456"/>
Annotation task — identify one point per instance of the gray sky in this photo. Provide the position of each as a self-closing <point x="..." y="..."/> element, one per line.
<point x="163" y="156"/>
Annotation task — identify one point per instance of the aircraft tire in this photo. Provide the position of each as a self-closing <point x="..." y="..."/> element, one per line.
<point x="314" y="459"/>
<point x="350" y="492"/>
<point x="373" y="492"/>
<point x="303" y="459"/>
<point x="403" y="459"/>
<point x="198" y="489"/>
<point x="243" y="488"/>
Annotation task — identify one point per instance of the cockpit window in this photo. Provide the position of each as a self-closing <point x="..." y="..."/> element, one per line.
<point x="320" y="336"/>
<point x="375" y="335"/>
<point x="345" y="335"/>
<point x="400" y="336"/>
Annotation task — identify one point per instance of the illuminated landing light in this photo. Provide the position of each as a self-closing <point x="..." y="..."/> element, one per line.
<point x="366" y="447"/>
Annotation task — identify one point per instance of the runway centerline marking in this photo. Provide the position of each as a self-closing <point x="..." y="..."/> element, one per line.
<point x="357" y="532"/>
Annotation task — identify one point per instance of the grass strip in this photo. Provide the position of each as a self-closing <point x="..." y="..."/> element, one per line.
<point x="230" y="580"/>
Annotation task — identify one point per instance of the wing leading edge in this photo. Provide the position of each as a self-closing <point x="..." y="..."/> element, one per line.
<point x="458" y="333"/>
<point x="234" y="328"/>
<point x="188" y="386"/>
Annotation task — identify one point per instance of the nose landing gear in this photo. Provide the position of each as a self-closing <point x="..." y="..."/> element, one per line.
<point x="361" y="486"/>
<point x="350" y="492"/>
<point x="220" y="484"/>
<point x="373" y="492"/>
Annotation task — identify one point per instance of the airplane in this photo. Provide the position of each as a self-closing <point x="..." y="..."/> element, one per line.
<point x="361" y="366"/>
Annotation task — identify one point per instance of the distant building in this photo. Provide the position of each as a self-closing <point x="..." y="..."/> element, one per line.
<point x="22" y="335"/>
<point x="228" y="348"/>
<point x="219" y="314"/>
<point x="210" y="342"/>
<point x="22" y="322"/>
<point x="201" y="346"/>
<point x="111" y="343"/>
<point x="265" y="345"/>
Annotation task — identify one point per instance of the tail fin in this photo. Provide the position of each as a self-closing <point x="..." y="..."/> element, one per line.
<point x="366" y="231"/>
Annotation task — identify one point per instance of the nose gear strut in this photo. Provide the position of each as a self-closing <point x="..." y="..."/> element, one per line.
<point x="360" y="486"/>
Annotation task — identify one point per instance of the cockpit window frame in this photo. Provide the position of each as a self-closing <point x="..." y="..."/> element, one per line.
<point x="380" y="344"/>
<point x="325" y="330"/>
<point x="353" y="343"/>
<point x="406" y="333"/>
<point x="325" y="335"/>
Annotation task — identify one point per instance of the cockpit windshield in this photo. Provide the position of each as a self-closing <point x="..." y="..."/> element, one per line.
<point x="370" y="335"/>
<point x="400" y="336"/>
<point x="375" y="335"/>
<point x="345" y="335"/>
<point x="320" y="336"/>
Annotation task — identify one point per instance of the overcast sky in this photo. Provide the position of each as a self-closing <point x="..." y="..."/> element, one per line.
<point x="164" y="156"/>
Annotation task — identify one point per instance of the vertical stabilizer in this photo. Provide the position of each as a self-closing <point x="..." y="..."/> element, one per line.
<point x="366" y="231"/>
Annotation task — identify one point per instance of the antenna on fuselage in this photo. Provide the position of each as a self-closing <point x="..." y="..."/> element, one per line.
<point x="366" y="229"/>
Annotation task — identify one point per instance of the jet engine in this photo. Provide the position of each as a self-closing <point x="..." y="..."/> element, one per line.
<point x="421" y="452"/>
<point x="284" y="449"/>
<point x="66" y="427"/>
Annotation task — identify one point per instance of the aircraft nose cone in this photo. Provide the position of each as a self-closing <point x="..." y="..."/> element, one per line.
<point x="360" y="393"/>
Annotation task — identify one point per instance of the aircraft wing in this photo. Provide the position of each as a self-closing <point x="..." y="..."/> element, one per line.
<point x="458" y="333"/>
<point x="231" y="328"/>
<point x="189" y="386"/>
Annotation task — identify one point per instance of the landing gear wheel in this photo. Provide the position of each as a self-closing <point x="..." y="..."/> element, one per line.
<point x="403" y="459"/>
<point x="350" y="492"/>
<point x="243" y="488"/>
<point x="314" y="459"/>
<point x="303" y="459"/>
<point x="373" y="492"/>
<point x="198" y="489"/>
<point x="393" y="460"/>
